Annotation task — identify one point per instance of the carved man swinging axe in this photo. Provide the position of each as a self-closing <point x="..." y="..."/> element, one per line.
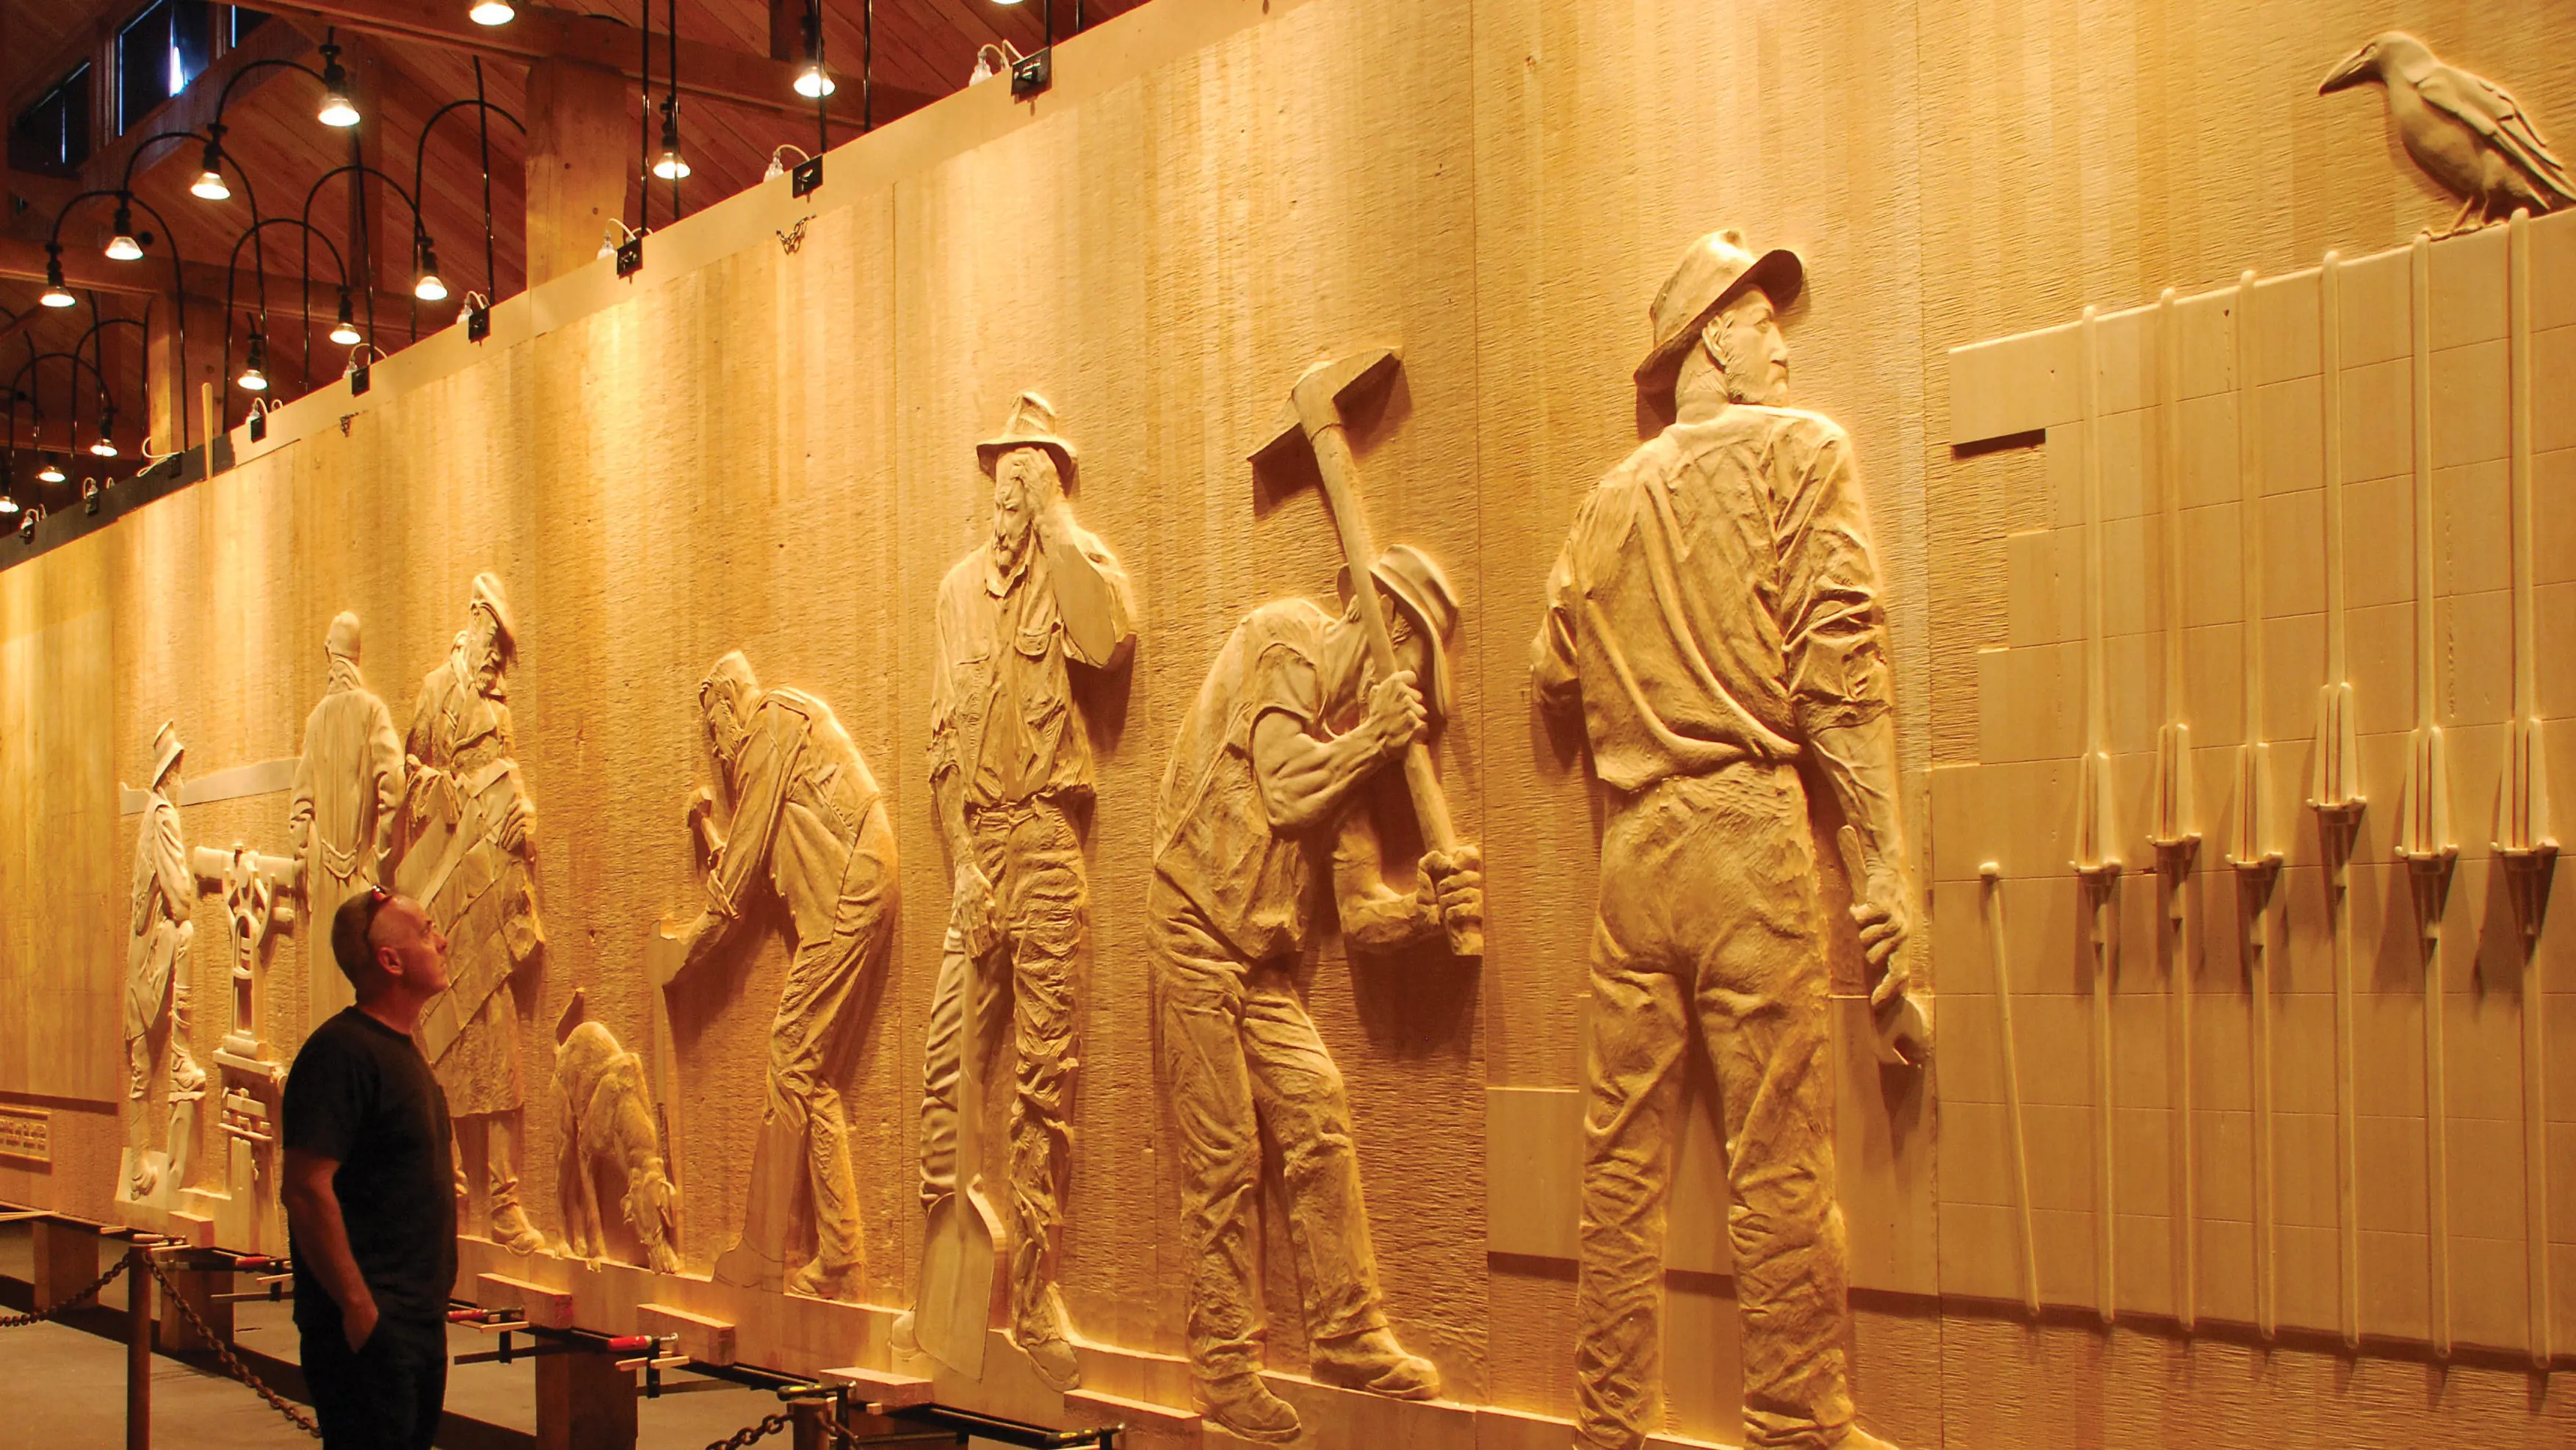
<point x="1267" y="782"/>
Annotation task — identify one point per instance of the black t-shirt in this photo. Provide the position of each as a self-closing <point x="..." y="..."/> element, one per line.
<point x="361" y="1095"/>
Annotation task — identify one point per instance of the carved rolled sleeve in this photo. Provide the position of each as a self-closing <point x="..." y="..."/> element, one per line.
<point x="1122" y="603"/>
<point x="947" y="689"/>
<point x="1832" y="632"/>
<point x="1553" y="672"/>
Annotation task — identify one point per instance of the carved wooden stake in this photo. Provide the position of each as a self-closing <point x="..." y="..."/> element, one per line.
<point x="2335" y="795"/>
<point x="2424" y="829"/>
<point x="2524" y="847"/>
<point x="1992" y="875"/>
<point x="2176" y="840"/>
<point x="2255" y="862"/>
<point x="2097" y="856"/>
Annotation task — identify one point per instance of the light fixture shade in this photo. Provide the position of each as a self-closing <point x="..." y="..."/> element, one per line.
<point x="672" y="167"/>
<point x="56" y="295"/>
<point x="123" y="248"/>
<point x="491" y="12"/>
<point x="105" y="447"/>
<point x="210" y="185"/>
<point x="346" y="334"/>
<point x="337" y="108"/>
<point x="338" y="111"/>
<point x="814" y="82"/>
<point x="254" y="373"/>
<point x="428" y="289"/>
<point x="52" y="472"/>
<point x="8" y="505"/>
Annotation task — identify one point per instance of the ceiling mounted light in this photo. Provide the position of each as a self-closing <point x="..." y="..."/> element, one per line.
<point x="345" y="331"/>
<point x="122" y="247"/>
<point x="672" y="166"/>
<point x="210" y="180"/>
<point x="56" y="294"/>
<point x="254" y="373"/>
<point x="814" y="82"/>
<point x="8" y="504"/>
<point x="428" y="287"/>
<point x="337" y="109"/>
<point x="105" y="447"/>
<point x="52" y="472"/>
<point x="491" y="12"/>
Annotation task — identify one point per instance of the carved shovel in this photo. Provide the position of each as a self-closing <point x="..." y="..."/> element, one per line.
<point x="955" y="1312"/>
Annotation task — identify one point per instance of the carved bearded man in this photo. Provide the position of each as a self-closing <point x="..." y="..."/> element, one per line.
<point x="810" y="827"/>
<point x="467" y="855"/>
<point x="1713" y="620"/>
<point x="348" y="787"/>
<point x="1010" y="766"/>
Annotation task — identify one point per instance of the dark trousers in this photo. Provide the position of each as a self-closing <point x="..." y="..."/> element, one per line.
<point x="386" y="1396"/>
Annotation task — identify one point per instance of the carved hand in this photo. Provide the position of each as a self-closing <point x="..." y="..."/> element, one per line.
<point x="1879" y="909"/>
<point x="701" y="822"/>
<point x="973" y="912"/>
<point x="518" y="825"/>
<point x="1455" y="882"/>
<point x="1396" y="714"/>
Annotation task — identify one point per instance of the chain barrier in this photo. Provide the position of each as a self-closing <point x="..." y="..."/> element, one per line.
<point x="20" y="1321"/>
<point x="766" y="1426"/>
<point x="224" y="1354"/>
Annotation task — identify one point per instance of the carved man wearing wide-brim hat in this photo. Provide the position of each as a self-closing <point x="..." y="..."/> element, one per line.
<point x="1010" y="766"/>
<point x="465" y="840"/>
<point x="1713" y="620"/>
<point x="156" y="963"/>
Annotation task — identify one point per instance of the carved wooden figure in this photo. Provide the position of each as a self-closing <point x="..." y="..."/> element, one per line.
<point x="1713" y="617"/>
<point x="809" y="826"/>
<point x="1010" y="760"/>
<point x="156" y="981"/>
<point x="2467" y="132"/>
<point x="257" y="892"/>
<point x="348" y="787"/>
<point x="464" y="844"/>
<point x="1269" y="780"/>
<point x="606" y="1135"/>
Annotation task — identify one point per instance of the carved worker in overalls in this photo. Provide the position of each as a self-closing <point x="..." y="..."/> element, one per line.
<point x="156" y="977"/>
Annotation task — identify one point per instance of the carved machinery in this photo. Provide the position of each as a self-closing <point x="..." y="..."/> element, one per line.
<point x="257" y="891"/>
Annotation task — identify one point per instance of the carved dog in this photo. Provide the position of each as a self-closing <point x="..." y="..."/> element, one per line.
<point x="607" y="1118"/>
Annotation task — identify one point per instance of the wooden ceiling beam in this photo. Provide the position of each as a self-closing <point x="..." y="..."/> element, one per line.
<point x="709" y="73"/>
<point x="87" y="271"/>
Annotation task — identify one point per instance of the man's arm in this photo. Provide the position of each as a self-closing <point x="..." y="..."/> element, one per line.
<point x="1092" y="592"/>
<point x="299" y="810"/>
<point x="322" y="1240"/>
<point x="1449" y="891"/>
<point x="385" y="772"/>
<point x="971" y="907"/>
<point x="170" y="863"/>
<point x="1304" y="779"/>
<point x="1552" y="664"/>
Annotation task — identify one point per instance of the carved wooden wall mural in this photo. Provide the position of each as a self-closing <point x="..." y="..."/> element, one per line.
<point x="1444" y="727"/>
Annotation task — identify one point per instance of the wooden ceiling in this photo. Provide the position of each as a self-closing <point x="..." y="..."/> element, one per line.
<point x="286" y="159"/>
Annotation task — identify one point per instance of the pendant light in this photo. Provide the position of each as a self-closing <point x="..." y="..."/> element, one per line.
<point x="491" y="12"/>
<point x="56" y="294"/>
<point x="345" y="331"/>
<point x="210" y="179"/>
<point x="254" y="373"/>
<point x="122" y="247"/>
<point x="52" y="472"/>
<point x="429" y="286"/>
<point x="672" y="166"/>
<point x="337" y="109"/>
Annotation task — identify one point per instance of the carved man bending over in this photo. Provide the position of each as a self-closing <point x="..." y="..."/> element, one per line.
<point x="807" y="823"/>
<point x="1289" y="728"/>
<point x="1009" y="763"/>
<point x="1713" y="617"/>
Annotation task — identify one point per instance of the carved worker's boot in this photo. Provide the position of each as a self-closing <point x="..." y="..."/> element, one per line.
<point x="1042" y="1337"/>
<point x="511" y="1229"/>
<point x="185" y="1075"/>
<point x="1245" y="1407"/>
<point x="816" y="1280"/>
<point x="1371" y="1360"/>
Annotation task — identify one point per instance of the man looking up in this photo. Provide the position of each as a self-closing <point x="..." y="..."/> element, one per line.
<point x="370" y="1188"/>
<point x="1010" y="763"/>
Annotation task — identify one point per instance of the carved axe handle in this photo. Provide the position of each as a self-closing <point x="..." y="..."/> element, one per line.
<point x="1319" y="414"/>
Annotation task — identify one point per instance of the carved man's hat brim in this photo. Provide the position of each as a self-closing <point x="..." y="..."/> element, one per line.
<point x="489" y="595"/>
<point x="1417" y="585"/>
<point x="990" y="451"/>
<point x="1712" y="274"/>
<point x="166" y="750"/>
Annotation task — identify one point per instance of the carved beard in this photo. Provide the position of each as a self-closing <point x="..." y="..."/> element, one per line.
<point x="726" y="735"/>
<point x="1011" y="533"/>
<point x="1739" y="362"/>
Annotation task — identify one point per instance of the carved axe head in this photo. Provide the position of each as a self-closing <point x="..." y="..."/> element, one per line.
<point x="1334" y="384"/>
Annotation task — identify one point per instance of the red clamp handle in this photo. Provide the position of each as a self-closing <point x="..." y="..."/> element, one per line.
<point x="629" y="1343"/>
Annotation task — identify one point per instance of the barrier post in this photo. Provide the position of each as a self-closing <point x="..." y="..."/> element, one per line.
<point x="138" y="1348"/>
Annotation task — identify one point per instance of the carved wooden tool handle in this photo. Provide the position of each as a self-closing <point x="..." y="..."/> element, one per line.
<point x="1322" y="419"/>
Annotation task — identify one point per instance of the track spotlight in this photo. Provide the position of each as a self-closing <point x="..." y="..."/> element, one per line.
<point x="337" y="109"/>
<point x="8" y="504"/>
<point x="254" y="373"/>
<point x="56" y="294"/>
<point x="491" y="12"/>
<point x="210" y="178"/>
<point x="672" y="166"/>
<point x="428" y="287"/>
<point x="122" y="247"/>
<point x="345" y="331"/>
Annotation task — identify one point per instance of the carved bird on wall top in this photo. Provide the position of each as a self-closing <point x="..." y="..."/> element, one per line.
<point x="2464" y="129"/>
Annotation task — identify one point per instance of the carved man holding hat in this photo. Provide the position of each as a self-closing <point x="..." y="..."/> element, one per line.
<point x="1713" y="621"/>
<point x="468" y="857"/>
<point x="1010" y="768"/>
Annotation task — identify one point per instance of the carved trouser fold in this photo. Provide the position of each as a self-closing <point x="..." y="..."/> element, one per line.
<point x="1242" y="1060"/>
<point x="1033" y="857"/>
<point x="1708" y="920"/>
